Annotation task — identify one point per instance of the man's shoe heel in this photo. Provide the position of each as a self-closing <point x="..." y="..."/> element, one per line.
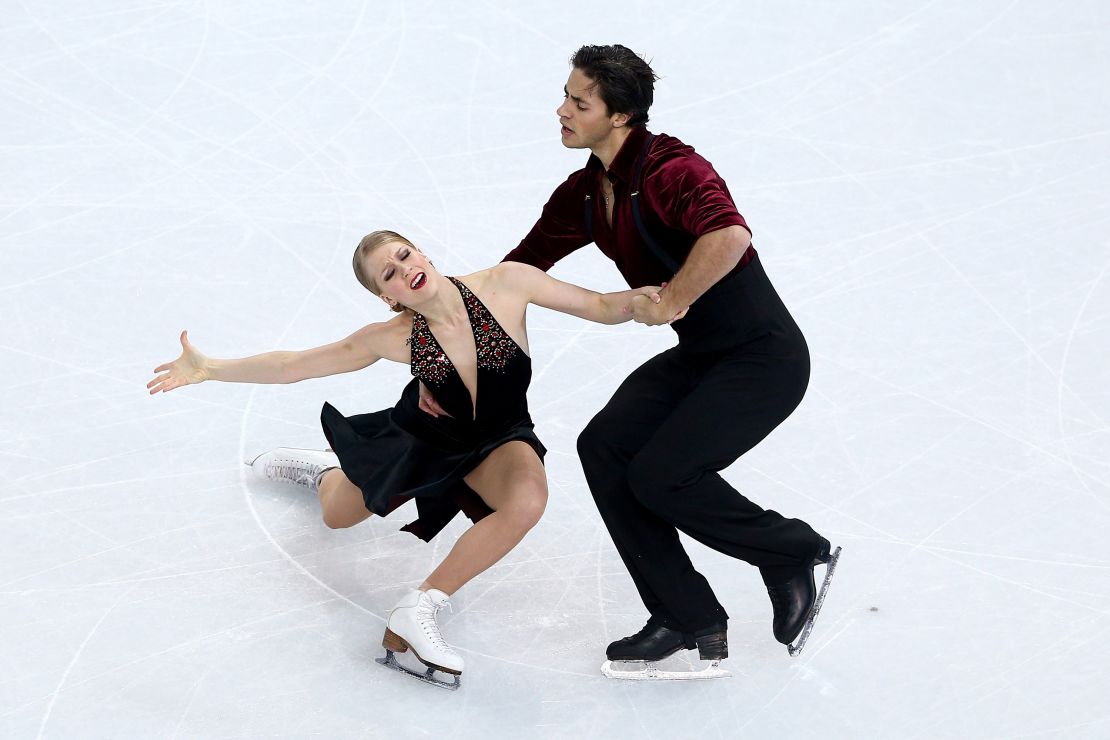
<point x="713" y="646"/>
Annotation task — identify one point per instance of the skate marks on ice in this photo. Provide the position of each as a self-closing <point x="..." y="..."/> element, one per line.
<point x="830" y="568"/>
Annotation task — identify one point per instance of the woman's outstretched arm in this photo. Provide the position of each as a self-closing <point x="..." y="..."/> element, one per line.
<point x="365" y="347"/>
<point x="543" y="290"/>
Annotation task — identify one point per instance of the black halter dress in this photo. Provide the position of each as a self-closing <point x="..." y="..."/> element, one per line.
<point x="402" y="453"/>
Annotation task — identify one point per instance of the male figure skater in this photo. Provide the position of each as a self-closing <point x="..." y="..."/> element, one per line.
<point x="653" y="455"/>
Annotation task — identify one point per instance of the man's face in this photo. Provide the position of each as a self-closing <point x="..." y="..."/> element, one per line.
<point x="584" y="116"/>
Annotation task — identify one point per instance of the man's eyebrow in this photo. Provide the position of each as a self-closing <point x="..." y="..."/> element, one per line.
<point x="575" y="98"/>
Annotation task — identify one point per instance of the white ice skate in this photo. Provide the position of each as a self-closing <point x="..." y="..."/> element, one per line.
<point x="412" y="624"/>
<point x="292" y="465"/>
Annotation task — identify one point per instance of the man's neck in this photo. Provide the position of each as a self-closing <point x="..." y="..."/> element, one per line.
<point x="606" y="150"/>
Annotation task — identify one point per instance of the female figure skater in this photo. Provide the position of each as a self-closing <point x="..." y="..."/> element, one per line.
<point x="465" y="338"/>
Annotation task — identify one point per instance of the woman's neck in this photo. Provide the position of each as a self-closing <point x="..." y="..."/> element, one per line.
<point x="446" y="307"/>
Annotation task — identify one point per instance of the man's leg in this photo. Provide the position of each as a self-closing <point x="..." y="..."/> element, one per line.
<point x="676" y="595"/>
<point x="738" y="401"/>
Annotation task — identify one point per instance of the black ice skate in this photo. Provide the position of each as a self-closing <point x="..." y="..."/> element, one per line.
<point x="655" y="642"/>
<point x="797" y="602"/>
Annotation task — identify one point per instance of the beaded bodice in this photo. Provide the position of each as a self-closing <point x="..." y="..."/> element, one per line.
<point x="504" y="370"/>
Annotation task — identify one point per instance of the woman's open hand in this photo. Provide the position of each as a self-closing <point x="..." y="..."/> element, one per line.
<point x="191" y="367"/>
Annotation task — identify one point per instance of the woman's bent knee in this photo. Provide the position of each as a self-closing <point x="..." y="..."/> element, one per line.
<point x="336" y="519"/>
<point x="526" y="510"/>
<point x="341" y="503"/>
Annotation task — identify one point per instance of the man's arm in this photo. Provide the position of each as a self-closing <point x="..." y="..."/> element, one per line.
<point x="560" y="229"/>
<point x="684" y="191"/>
<point x="711" y="258"/>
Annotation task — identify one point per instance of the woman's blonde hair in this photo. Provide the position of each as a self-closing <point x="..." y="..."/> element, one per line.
<point x="365" y="248"/>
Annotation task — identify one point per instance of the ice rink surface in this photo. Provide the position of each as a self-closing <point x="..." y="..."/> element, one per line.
<point x="929" y="188"/>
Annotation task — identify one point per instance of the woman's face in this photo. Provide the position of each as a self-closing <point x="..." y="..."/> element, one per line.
<point x="402" y="273"/>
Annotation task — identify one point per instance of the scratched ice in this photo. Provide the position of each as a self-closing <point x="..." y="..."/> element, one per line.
<point x="929" y="188"/>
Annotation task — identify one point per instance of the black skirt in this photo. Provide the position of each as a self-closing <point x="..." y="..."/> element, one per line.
<point x="392" y="465"/>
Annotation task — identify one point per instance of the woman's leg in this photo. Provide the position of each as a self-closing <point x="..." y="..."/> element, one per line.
<point x="341" y="501"/>
<point x="512" y="482"/>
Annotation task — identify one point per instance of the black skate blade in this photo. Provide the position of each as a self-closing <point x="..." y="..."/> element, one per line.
<point x="390" y="661"/>
<point x="830" y="568"/>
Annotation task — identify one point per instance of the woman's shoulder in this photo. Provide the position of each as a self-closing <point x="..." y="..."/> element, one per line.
<point x="390" y="337"/>
<point x="479" y="281"/>
<point x="504" y="279"/>
<point x="502" y="288"/>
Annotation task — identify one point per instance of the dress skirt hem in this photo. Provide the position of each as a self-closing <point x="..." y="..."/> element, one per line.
<point x="392" y="466"/>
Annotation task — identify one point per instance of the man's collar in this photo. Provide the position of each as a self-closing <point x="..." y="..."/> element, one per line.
<point x="624" y="164"/>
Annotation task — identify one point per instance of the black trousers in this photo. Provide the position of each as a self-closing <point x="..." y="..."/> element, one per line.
<point x="653" y="456"/>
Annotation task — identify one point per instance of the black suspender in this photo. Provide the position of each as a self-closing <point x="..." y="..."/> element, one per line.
<point x="637" y="183"/>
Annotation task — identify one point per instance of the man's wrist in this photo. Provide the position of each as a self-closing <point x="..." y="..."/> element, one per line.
<point x="665" y="307"/>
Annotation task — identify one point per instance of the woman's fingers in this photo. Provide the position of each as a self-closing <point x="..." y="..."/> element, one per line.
<point x="429" y="405"/>
<point x="161" y="382"/>
<point x="435" y="409"/>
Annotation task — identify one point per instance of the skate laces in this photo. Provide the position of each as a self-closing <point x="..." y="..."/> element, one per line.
<point x="426" y="611"/>
<point x="295" y="471"/>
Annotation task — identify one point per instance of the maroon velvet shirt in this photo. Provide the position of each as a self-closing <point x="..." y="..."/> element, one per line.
<point x="682" y="197"/>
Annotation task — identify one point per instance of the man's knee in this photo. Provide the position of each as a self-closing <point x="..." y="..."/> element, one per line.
<point x="654" y="480"/>
<point x="590" y="441"/>
<point x="599" y="444"/>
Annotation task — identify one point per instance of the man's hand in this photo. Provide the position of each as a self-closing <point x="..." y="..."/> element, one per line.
<point x="429" y="405"/>
<point x="652" y="310"/>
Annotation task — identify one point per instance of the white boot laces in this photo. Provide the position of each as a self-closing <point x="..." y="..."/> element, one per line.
<point x="296" y="471"/>
<point x="426" y="610"/>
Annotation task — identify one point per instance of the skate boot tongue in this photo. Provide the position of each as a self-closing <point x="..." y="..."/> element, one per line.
<point x="438" y="598"/>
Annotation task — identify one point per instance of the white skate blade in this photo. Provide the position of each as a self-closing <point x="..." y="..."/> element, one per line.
<point x="650" y="671"/>
<point x="830" y="568"/>
<point x="390" y="661"/>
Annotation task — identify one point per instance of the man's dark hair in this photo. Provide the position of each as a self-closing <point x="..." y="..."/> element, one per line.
<point x="625" y="82"/>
